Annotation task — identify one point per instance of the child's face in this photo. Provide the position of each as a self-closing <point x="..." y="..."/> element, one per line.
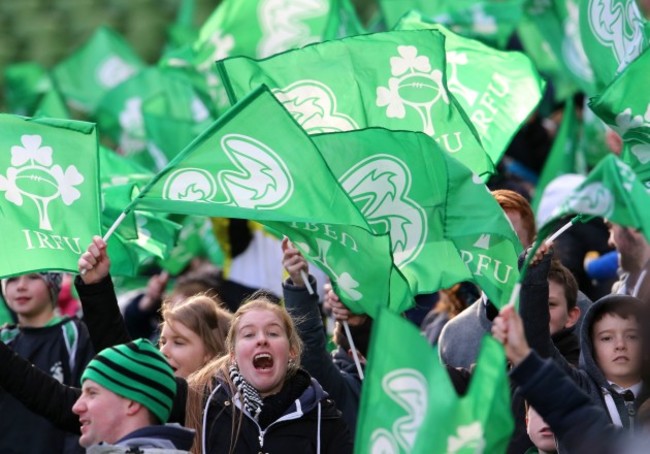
<point x="539" y="432"/>
<point x="557" y="307"/>
<point x="28" y="296"/>
<point x="617" y="349"/>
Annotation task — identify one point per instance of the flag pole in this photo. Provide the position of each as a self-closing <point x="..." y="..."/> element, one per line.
<point x="305" y="279"/>
<point x="355" y="354"/>
<point x="110" y="232"/>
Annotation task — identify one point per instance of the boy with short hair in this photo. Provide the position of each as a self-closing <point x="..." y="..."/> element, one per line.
<point x="610" y="357"/>
<point x="563" y="310"/>
<point x="59" y="346"/>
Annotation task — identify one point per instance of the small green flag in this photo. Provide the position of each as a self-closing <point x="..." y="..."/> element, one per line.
<point x="52" y="105"/>
<point x="407" y="186"/>
<point x="25" y="84"/>
<point x="626" y="108"/>
<point x="49" y="193"/>
<point x="613" y="191"/>
<point x="394" y="80"/>
<point x="409" y="405"/>
<point x="613" y="34"/>
<point x="497" y="90"/>
<point x="102" y="63"/>
<point x="564" y="156"/>
<point x="491" y="22"/>
<point x="250" y="164"/>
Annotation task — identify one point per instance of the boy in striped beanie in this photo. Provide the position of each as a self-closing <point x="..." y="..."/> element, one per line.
<point x="127" y="392"/>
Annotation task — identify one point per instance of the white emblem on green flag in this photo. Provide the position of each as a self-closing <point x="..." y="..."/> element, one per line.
<point x="468" y="439"/>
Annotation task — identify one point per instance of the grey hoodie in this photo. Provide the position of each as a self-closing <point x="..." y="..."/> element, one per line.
<point x="167" y="439"/>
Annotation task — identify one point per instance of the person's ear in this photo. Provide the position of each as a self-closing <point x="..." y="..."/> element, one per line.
<point x="574" y="315"/>
<point x="133" y="407"/>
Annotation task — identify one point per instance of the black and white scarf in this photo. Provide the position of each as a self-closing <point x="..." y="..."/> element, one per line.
<point x="248" y="394"/>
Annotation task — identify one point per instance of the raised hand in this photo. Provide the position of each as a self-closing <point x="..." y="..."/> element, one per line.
<point x="294" y="263"/>
<point x="508" y="329"/>
<point x="94" y="264"/>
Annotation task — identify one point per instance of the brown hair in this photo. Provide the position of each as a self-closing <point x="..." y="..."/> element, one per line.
<point x="202" y="382"/>
<point x="563" y="276"/>
<point x="511" y="200"/>
<point x="623" y="306"/>
<point x="203" y="315"/>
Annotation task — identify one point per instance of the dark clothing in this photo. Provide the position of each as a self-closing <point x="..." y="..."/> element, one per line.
<point x="162" y="439"/>
<point x="311" y="420"/>
<point x="61" y="351"/>
<point x="568" y="345"/>
<point x="338" y="375"/>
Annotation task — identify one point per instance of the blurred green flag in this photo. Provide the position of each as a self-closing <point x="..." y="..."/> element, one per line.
<point x="626" y="108"/>
<point x="613" y="34"/>
<point x="102" y="63"/>
<point x="497" y="90"/>
<point x="489" y="21"/>
<point x="395" y="80"/>
<point x="409" y="404"/>
<point x="49" y="193"/>
<point x="52" y="105"/>
<point x="407" y="186"/>
<point x="24" y="85"/>
<point x="613" y="191"/>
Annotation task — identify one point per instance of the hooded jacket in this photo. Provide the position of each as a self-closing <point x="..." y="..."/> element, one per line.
<point x="311" y="424"/>
<point x="588" y="375"/>
<point x="167" y="439"/>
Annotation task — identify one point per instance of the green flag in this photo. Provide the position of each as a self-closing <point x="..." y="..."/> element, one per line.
<point x="195" y="239"/>
<point x="612" y="190"/>
<point x="625" y="106"/>
<point x="497" y="90"/>
<point x="183" y="31"/>
<point x="564" y="156"/>
<point x="592" y="143"/>
<point x="102" y="63"/>
<point x="52" y="105"/>
<point x="395" y="80"/>
<point x="409" y="405"/>
<point x="250" y="164"/>
<point x="613" y="34"/>
<point x="407" y="186"/>
<point x="491" y="22"/>
<point x="24" y="85"/>
<point x="120" y="114"/>
<point x="49" y="203"/>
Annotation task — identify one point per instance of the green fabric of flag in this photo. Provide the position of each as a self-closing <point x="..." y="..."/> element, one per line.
<point x="183" y="31"/>
<point x="102" y="63"/>
<point x="116" y="169"/>
<point x="394" y="80"/>
<point x="195" y="239"/>
<point x="407" y="186"/>
<point x="497" y="90"/>
<point x="52" y="105"/>
<point x="627" y="114"/>
<point x="613" y="191"/>
<point x="409" y="404"/>
<point x="593" y="141"/>
<point x="250" y="164"/>
<point x="564" y="156"/>
<point x="120" y="113"/>
<point x="558" y="25"/>
<point x="358" y="263"/>
<point x="49" y="193"/>
<point x="24" y="85"/>
<point x="491" y="22"/>
<point x="613" y="35"/>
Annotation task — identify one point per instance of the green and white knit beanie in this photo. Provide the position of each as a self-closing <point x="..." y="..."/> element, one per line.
<point x="137" y="371"/>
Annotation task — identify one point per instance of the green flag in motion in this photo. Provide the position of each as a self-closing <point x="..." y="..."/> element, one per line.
<point x="395" y="80"/>
<point x="358" y="262"/>
<point x="491" y="22"/>
<point x="612" y="190"/>
<point x="49" y="193"/>
<point x="564" y="156"/>
<point x="625" y="106"/>
<point x="613" y="34"/>
<point x="250" y="164"/>
<point x="103" y="62"/>
<point x="408" y="404"/>
<point x="24" y="86"/>
<point x="405" y="185"/>
<point x="497" y="90"/>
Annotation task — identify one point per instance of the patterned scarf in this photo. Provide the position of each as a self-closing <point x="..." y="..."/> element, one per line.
<point x="249" y="395"/>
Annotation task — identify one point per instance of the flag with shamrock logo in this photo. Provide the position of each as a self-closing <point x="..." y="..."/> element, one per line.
<point x="408" y="187"/>
<point x="102" y="63"/>
<point x="613" y="191"/>
<point x="409" y="405"/>
<point x="491" y="22"/>
<point x="629" y="115"/>
<point x="614" y="33"/>
<point x="497" y="90"/>
<point x="395" y="80"/>
<point x="49" y="193"/>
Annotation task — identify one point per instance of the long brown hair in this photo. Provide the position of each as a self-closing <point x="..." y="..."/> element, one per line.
<point x="216" y="372"/>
